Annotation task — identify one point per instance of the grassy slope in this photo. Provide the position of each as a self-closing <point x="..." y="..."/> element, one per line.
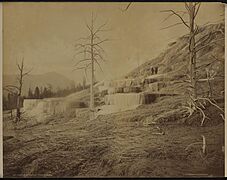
<point x="120" y="144"/>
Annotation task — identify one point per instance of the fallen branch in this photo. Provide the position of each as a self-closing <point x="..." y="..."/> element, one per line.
<point x="204" y="144"/>
<point x="162" y="133"/>
<point x="196" y="143"/>
<point x="126" y="7"/>
<point x="204" y="116"/>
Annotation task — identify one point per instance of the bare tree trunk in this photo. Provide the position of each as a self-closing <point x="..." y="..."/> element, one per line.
<point x="18" y="115"/>
<point x="20" y="81"/>
<point x="92" y="115"/>
<point x="192" y="10"/>
<point x="18" y="89"/>
<point x="192" y="53"/>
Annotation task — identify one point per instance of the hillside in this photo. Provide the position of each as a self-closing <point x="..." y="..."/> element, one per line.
<point x="173" y="61"/>
<point x="31" y="81"/>
<point x="154" y="140"/>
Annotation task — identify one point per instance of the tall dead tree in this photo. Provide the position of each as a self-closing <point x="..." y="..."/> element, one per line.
<point x="17" y="89"/>
<point x="195" y="45"/>
<point x="192" y="9"/>
<point x="89" y="52"/>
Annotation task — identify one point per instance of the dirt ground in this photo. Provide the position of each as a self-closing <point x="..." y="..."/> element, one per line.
<point x="122" y="144"/>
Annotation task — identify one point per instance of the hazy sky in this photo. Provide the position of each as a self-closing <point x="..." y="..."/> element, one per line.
<point x="44" y="34"/>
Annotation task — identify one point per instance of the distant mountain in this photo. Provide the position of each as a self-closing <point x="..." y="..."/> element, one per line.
<point x="53" y="79"/>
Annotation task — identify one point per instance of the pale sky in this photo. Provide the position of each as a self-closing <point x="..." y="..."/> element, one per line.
<point x="44" y="34"/>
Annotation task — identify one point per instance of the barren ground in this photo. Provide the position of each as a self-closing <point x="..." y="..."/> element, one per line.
<point x="120" y="144"/>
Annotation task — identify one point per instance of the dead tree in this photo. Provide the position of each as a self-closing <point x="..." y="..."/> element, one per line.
<point x="192" y="10"/>
<point x="92" y="52"/>
<point x="17" y="89"/>
<point x="195" y="44"/>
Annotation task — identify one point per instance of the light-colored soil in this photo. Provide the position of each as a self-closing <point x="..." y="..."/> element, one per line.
<point x="120" y="144"/>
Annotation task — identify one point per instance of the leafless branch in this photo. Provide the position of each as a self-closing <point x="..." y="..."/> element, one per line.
<point x="129" y="4"/>
<point x="78" y="68"/>
<point x="179" y="16"/>
<point x="207" y="99"/>
<point x="21" y="67"/>
<point x="196" y="3"/>
<point x="204" y="116"/>
<point x="197" y="10"/>
<point x="98" y="64"/>
<point x="26" y="73"/>
<point x="170" y="15"/>
<point x="192" y="144"/>
<point x="97" y="37"/>
<point x="100" y="42"/>
<point x="173" y="25"/>
<point x="83" y="67"/>
<point x="11" y="86"/>
<point x="187" y="6"/>
<point x="83" y="60"/>
<point x="100" y="47"/>
<point x="89" y="28"/>
<point x="100" y="28"/>
<point x="99" y="50"/>
<point x="82" y="46"/>
<point x="100" y="56"/>
<point x="84" y="38"/>
<point x="82" y="52"/>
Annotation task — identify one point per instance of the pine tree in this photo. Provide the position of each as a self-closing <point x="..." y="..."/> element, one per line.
<point x="45" y="93"/>
<point x="37" y="93"/>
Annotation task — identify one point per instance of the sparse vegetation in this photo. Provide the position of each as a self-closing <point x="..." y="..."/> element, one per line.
<point x="177" y="130"/>
<point x="120" y="144"/>
<point x="16" y="91"/>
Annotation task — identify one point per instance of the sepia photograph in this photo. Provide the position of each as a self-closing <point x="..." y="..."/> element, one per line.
<point x="113" y="89"/>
